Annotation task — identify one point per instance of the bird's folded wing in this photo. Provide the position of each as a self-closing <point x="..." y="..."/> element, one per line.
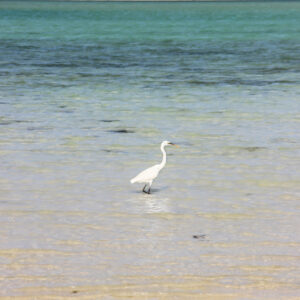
<point x="147" y="175"/>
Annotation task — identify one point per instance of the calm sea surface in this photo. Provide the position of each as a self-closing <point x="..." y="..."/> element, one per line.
<point x="87" y="93"/>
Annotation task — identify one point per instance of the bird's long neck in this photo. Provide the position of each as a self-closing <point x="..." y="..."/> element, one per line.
<point x="164" y="159"/>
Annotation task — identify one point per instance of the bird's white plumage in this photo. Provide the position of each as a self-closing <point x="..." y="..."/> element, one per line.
<point x="147" y="176"/>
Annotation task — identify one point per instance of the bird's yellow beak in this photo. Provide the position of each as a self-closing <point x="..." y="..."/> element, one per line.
<point x="174" y="145"/>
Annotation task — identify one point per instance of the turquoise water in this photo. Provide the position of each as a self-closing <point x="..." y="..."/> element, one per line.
<point x="87" y="93"/>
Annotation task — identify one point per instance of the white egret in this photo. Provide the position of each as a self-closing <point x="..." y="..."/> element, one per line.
<point x="147" y="176"/>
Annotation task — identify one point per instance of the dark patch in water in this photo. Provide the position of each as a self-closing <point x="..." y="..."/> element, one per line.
<point x="113" y="151"/>
<point x="38" y="128"/>
<point x="74" y="292"/>
<point x="9" y="122"/>
<point x="197" y="52"/>
<point x="199" y="236"/>
<point x="67" y="111"/>
<point x="201" y="82"/>
<point x="274" y="70"/>
<point x="4" y="202"/>
<point x="252" y="149"/>
<point x="57" y="65"/>
<point x="109" y="121"/>
<point x="240" y="82"/>
<point x="20" y="121"/>
<point x="216" y="112"/>
<point x="121" y="131"/>
<point x="86" y="75"/>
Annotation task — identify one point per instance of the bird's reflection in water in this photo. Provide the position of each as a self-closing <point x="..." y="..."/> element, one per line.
<point x="157" y="205"/>
<point x="151" y="204"/>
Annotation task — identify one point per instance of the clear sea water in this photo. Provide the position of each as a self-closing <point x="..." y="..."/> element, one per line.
<point x="87" y="93"/>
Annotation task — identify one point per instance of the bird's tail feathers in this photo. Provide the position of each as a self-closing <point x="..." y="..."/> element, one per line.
<point x="133" y="180"/>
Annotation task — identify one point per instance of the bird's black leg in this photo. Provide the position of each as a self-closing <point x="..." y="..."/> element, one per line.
<point x="144" y="189"/>
<point x="148" y="192"/>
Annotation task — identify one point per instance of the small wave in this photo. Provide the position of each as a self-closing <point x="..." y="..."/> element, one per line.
<point x="241" y="82"/>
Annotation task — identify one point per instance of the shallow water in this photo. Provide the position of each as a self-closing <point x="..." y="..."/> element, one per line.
<point x="87" y="93"/>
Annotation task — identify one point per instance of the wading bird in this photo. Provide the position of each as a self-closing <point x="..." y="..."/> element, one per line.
<point x="147" y="176"/>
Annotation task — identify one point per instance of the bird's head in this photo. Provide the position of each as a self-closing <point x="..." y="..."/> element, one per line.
<point x="166" y="143"/>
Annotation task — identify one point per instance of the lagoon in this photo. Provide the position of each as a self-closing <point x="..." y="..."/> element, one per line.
<point x="87" y="93"/>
